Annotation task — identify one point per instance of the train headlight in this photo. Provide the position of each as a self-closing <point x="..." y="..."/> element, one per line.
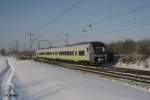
<point x="100" y="59"/>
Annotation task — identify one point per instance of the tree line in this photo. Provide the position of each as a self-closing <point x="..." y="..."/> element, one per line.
<point x="130" y="47"/>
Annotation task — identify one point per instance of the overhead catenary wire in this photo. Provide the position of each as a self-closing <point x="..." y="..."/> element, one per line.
<point x="122" y="14"/>
<point x="111" y="17"/>
<point x="59" y="16"/>
<point x="63" y="13"/>
<point x="130" y="28"/>
<point x="85" y="27"/>
<point x="91" y="25"/>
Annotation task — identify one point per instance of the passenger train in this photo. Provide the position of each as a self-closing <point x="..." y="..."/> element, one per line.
<point x="85" y="53"/>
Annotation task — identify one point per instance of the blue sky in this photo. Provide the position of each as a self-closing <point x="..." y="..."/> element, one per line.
<point x="20" y="16"/>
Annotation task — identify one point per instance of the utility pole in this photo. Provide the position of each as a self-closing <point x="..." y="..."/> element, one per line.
<point x="17" y="47"/>
<point x="67" y="38"/>
<point x="30" y="34"/>
<point x="31" y="38"/>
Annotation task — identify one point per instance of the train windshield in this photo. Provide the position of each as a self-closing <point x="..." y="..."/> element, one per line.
<point x="99" y="50"/>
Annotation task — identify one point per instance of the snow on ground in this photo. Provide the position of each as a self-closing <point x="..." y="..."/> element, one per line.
<point x="40" y="81"/>
<point x="2" y="67"/>
<point x="138" y="65"/>
<point x="6" y="74"/>
<point x="2" y="63"/>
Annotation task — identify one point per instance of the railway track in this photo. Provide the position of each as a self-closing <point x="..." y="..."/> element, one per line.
<point x="134" y="77"/>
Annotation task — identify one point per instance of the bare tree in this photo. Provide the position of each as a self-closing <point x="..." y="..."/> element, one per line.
<point x="3" y="52"/>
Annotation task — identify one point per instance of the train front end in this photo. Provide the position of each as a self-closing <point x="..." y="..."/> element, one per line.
<point x="99" y="54"/>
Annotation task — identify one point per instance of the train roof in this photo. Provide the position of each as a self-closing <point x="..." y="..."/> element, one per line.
<point x="80" y="43"/>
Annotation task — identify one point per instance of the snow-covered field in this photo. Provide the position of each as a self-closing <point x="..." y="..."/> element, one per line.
<point x="6" y="75"/>
<point x="2" y="63"/>
<point x="39" y="81"/>
<point x="140" y="65"/>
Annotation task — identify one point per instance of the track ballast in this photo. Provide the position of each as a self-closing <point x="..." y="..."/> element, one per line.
<point x="131" y="76"/>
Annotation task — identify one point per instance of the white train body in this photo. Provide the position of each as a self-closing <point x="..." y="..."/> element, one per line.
<point x="87" y="52"/>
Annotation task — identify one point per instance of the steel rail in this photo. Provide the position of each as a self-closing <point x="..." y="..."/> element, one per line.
<point x="142" y="80"/>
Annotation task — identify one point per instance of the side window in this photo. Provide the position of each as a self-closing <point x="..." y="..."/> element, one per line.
<point x="48" y="53"/>
<point x="63" y="53"/>
<point x="81" y="53"/>
<point x="72" y="53"/>
<point x="55" y="53"/>
<point x="76" y="53"/>
<point x="41" y="53"/>
<point x="60" y="53"/>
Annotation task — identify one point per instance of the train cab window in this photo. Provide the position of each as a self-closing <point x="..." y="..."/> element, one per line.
<point x="99" y="50"/>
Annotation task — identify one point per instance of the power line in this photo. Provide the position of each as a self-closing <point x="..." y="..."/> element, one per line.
<point x="52" y="21"/>
<point x="112" y="17"/>
<point x="101" y="20"/>
<point x="63" y="13"/>
<point x="129" y="28"/>
<point x="122" y="14"/>
<point x="67" y="38"/>
<point x="31" y="38"/>
<point x="40" y="41"/>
